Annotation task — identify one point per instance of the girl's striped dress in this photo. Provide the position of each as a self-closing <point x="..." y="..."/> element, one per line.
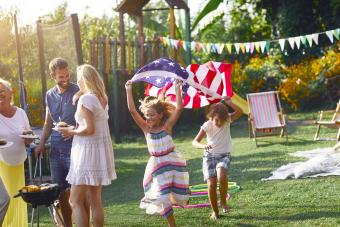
<point x="166" y="180"/>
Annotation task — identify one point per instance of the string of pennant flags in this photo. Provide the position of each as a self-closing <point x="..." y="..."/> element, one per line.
<point x="250" y="47"/>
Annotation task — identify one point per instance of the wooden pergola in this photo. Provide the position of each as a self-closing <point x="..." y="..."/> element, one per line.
<point x="135" y="8"/>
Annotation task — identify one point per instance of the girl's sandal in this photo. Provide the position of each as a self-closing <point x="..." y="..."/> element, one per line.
<point x="214" y="216"/>
<point x="226" y="208"/>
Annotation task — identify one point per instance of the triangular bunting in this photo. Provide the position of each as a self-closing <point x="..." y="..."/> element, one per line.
<point x="263" y="46"/>
<point x="336" y="33"/>
<point x="237" y="47"/>
<point x="267" y="46"/>
<point x="247" y="47"/>
<point x="257" y="46"/>
<point x="282" y="44"/>
<point x="176" y="43"/>
<point x="243" y="48"/>
<point x="330" y="35"/>
<point x="310" y="40"/>
<point x="208" y="47"/>
<point x="303" y="40"/>
<point x="291" y="42"/>
<point x="229" y="47"/>
<point x="297" y="41"/>
<point x="252" y="46"/>
<point x="185" y="43"/>
<point x="220" y="48"/>
<point x="315" y="38"/>
<point x="193" y="46"/>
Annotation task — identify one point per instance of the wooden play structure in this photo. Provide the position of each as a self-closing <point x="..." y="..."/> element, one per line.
<point x="118" y="58"/>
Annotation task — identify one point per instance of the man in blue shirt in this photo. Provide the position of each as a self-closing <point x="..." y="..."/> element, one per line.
<point x="59" y="108"/>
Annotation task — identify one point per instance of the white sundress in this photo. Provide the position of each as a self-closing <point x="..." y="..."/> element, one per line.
<point x="92" y="159"/>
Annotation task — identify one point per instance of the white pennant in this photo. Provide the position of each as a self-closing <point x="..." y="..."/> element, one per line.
<point x="310" y="40"/>
<point x="263" y="46"/>
<point x="315" y="38"/>
<point x="193" y="45"/>
<point x="330" y="35"/>
<point x="282" y="44"/>
<point x="297" y="40"/>
<point x="237" y="47"/>
<point x="291" y="42"/>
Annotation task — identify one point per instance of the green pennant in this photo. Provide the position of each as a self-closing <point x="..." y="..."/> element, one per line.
<point x="267" y="46"/>
<point x="336" y="33"/>
<point x="303" y="40"/>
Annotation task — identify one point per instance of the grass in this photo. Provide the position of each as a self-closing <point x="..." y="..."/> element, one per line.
<point x="292" y="202"/>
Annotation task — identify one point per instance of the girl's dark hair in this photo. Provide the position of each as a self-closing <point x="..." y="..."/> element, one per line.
<point x="160" y="105"/>
<point x="220" y="110"/>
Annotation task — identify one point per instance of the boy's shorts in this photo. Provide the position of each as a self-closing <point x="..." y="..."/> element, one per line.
<point x="211" y="162"/>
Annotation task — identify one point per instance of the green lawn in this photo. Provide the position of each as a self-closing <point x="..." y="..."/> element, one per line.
<point x="302" y="202"/>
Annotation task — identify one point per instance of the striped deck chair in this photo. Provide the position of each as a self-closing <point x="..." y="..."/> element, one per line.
<point x="332" y="123"/>
<point x="265" y="116"/>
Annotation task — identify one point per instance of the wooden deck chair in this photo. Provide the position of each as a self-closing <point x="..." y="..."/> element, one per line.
<point x="333" y="123"/>
<point x="265" y="115"/>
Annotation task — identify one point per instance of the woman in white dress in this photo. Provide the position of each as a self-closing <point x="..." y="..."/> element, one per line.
<point x="92" y="160"/>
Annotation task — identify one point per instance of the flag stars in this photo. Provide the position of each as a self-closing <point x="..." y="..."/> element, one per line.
<point x="171" y="64"/>
<point x="158" y="81"/>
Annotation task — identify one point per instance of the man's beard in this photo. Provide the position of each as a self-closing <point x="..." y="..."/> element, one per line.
<point x="64" y="85"/>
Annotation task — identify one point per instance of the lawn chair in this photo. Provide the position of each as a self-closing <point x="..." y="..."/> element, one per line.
<point x="333" y="123"/>
<point x="265" y="115"/>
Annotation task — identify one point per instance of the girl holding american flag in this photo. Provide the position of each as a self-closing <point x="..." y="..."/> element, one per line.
<point x="166" y="180"/>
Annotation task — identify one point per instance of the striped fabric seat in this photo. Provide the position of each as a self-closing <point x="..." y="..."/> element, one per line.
<point x="265" y="113"/>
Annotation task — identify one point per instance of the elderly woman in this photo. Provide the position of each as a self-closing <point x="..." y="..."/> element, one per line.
<point x="13" y="121"/>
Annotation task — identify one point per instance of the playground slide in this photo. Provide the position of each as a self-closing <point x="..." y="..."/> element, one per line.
<point x="241" y="103"/>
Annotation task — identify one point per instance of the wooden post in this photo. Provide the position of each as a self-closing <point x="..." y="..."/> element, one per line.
<point x="187" y="37"/>
<point x="104" y="59"/>
<point x="115" y="110"/>
<point x="122" y="42"/>
<point x="122" y="73"/>
<point x="173" y="54"/>
<point x="21" y="76"/>
<point x="129" y="57"/>
<point x="77" y="40"/>
<point x="42" y="63"/>
<point x="141" y="39"/>
<point x="155" y="48"/>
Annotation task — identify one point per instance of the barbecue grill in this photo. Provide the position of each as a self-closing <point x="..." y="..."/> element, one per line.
<point x="45" y="196"/>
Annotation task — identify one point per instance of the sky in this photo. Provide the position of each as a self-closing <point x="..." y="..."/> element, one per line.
<point x="30" y="10"/>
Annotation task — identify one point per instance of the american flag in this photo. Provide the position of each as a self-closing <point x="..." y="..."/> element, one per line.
<point x="160" y="73"/>
<point x="203" y="84"/>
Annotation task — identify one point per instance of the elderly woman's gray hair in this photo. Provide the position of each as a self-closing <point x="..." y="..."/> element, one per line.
<point x="6" y="84"/>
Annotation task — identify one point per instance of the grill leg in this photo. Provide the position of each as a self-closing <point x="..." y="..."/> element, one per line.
<point x="51" y="214"/>
<point x="32" y="217"/>
<point x="60" y="218"/>
<point x="38" y="214"/>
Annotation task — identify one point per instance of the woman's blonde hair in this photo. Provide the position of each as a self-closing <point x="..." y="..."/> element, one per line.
<point x="220" y="110"/>
<point x="92" y="81"/>
<point x="160" y="105"/>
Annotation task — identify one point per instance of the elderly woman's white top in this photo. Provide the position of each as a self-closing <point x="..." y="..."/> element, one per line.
<point x="10" y="129"/>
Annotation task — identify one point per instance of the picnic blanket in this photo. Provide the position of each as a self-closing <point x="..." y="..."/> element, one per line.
<point x="321" y="162"/>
